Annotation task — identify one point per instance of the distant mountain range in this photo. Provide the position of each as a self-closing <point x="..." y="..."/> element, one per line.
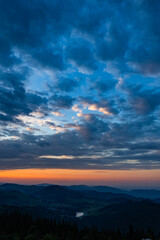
<point x="143" y="193"/>
<point x="96" y="188"/>
<point x="98" y="205"/>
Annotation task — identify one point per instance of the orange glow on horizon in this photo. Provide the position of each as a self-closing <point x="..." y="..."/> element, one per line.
<point x="91" y="177"/>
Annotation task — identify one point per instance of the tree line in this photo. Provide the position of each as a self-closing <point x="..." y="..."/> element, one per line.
<point x="17" y="226"/>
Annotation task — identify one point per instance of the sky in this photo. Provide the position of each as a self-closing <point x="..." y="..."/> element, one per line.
<point x="80" y="92"/>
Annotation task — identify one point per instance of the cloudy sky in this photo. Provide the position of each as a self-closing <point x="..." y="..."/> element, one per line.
<point x="79" y="85"/>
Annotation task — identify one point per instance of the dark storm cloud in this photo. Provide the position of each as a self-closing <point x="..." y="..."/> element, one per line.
<point x="123" y="32"/>
<point x="144" y="101"/>
<point x="92" y="128"/>
<point x="61" y="101"/>
<point x="33" y="28"/>
<point x="81" y="53"/>
<point x="67" y="85"/>
<point x="47" y="58"/>
<point x="103" y="85"/>
<point x="6" y="55"/>
<point x="135" y="38"/>
<point x="14" y="100"/>
<point x="144" y="51"/>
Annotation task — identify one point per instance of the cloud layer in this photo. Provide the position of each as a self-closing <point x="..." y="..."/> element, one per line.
<point x="79" y="84"/>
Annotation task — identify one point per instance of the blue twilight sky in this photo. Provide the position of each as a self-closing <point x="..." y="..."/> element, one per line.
<point x="80" y="84"/>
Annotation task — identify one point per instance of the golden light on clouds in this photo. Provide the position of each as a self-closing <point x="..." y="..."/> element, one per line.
<point x="71" y="157"/>
<point x="95" y="107"/>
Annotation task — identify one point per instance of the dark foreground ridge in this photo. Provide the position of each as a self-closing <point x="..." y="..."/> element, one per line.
<point x="16" y="226"/>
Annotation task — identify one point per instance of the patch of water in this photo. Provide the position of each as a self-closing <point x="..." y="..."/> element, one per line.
<point x="79" y="214"/>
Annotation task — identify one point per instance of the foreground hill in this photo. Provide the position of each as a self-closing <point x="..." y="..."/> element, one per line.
<point x="141" y="214"/>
